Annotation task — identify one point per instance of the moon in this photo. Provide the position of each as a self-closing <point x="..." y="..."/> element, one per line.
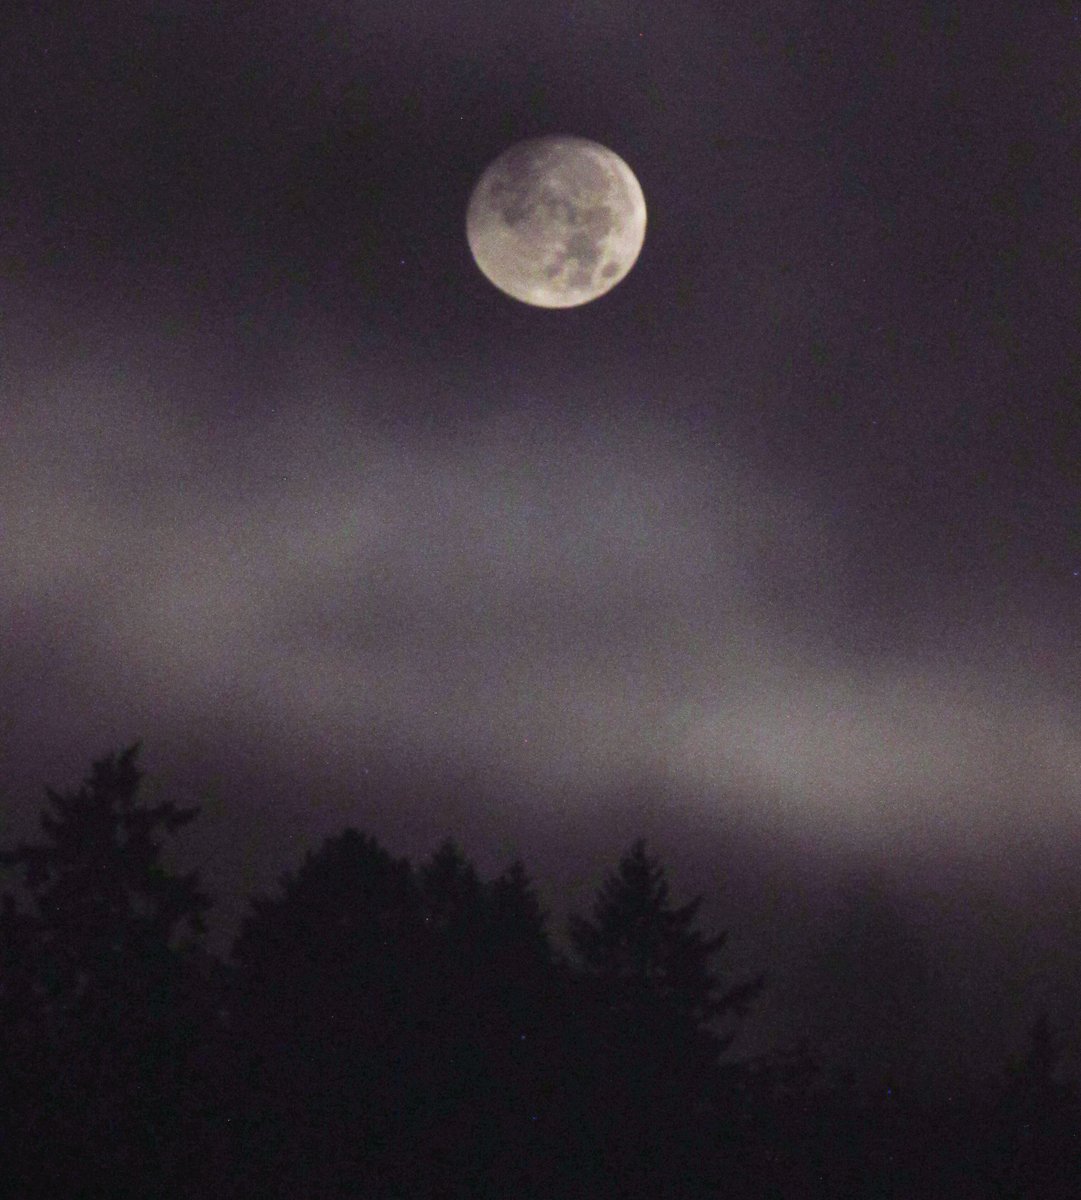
<point x="556" y="221"/>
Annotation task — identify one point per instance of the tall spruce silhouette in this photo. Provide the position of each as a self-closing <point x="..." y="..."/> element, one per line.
<point x="98" y="1026"/>
<point x="658" y="1115"/>
<point x="642" y="947"/>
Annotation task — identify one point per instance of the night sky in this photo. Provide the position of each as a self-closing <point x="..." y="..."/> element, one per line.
<point x="770" y="555"/>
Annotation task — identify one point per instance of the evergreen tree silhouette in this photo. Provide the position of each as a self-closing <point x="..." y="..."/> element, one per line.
<point x="96" y="1034"/>
<point x="659" y="1114"/>
<point x="641" y="947"/>
<point x="390" y="1019"/>
<point x="494" y="1000"/>
<point x="324" y="1016"/>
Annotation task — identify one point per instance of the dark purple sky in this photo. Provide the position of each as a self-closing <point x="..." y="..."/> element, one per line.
<point x="771" y="554"/>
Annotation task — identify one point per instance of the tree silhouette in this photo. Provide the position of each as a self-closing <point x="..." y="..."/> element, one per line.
<point x="640" y="945"/>
<point x="96" y="1032"/>
<point x="653" y="999"/>
<point x="99" y="893"/>
<point x="395" y="1032"/>
<point x="392" y="1022"/>
<point x="494" y="1008"/>
<point x="322" y="1016"/>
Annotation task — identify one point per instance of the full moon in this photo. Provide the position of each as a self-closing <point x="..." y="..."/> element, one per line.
<point x="556" y="221"/>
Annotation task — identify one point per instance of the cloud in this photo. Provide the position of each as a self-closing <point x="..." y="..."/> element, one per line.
<point x="924" y="754"/>
<point x="574" y="601"/>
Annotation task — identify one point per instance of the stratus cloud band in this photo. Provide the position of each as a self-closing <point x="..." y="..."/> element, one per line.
<point x="573" y="605"/>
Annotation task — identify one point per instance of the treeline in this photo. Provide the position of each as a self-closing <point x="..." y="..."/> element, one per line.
<point x="385" y="1030"/>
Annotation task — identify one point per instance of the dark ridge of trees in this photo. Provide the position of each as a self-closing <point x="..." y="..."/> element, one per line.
<point x="394" y="1031"/>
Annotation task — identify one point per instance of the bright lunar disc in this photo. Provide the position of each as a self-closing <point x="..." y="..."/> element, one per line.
<point x="556" y="221"/>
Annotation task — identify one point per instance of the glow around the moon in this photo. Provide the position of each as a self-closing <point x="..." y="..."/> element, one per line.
<point x="556" y="221"/>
